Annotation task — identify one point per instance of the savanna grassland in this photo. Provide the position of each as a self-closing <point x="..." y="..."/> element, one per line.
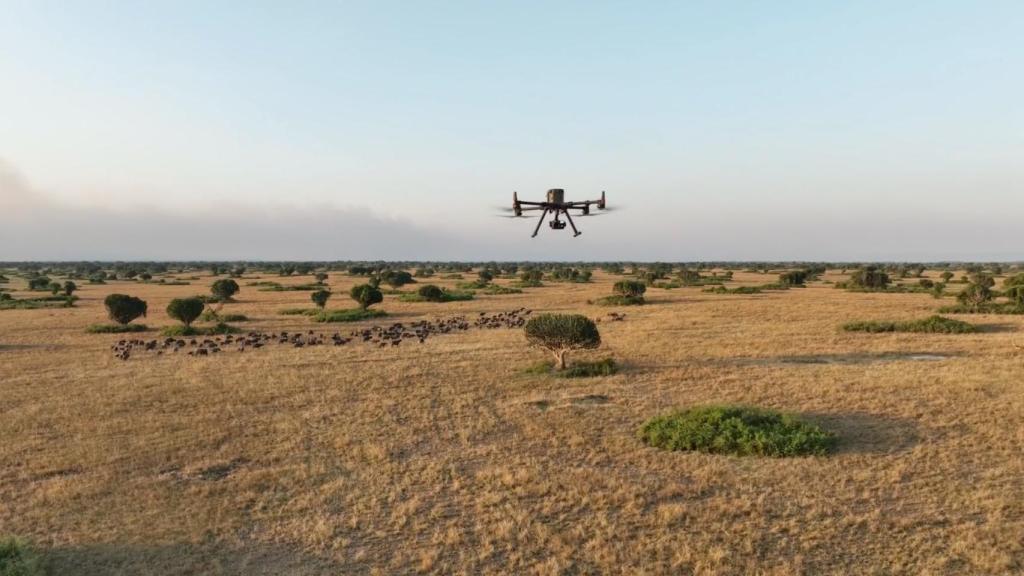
<point x="452" y="457"/>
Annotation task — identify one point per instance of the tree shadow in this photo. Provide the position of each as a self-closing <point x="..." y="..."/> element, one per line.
<point x="866" y="433"/>
<point x="184" y="559"/>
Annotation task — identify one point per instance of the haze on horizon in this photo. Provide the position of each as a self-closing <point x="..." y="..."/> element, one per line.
<point x="392" y="130"/>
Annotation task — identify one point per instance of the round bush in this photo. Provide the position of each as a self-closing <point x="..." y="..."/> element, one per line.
<point x="185" y="310"/>
<point x="561" y="333"/>
<point x="736" y="430"/>
<point x="123" y="308"/>
<point x="629" y="288"/>
<point x="431" y="293"/>
<point x="366" y="295"/>
<point x="224" y="289"/>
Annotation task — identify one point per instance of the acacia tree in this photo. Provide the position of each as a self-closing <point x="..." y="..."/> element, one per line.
<point x="562" y="333"/>
<point x="366" y="295"/>
<point x="69" y="288"/>
<point x="186" y="310"/>
<point x="122" y="308"/>
<point x="320" y="298"/>
<point x="224" y="289"/>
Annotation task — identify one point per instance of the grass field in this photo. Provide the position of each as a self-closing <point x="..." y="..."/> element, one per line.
<point x="452" y="457"/>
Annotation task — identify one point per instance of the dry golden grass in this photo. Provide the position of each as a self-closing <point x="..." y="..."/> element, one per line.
<point x="435" y="458"/>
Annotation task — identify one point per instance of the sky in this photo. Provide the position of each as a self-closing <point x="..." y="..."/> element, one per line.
<point x="396" y="130"/>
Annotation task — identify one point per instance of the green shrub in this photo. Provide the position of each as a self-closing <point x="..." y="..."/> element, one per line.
<point x="122" y="308"/>
<point x="984" y="308"/>
<point x="69" y="288"/>
<point x="736" y="430"/>
<point x="629" y="288"/>
<point x="115" y="328"/>
<point x="605" y="367"/>
<point x="39" y="283"/>
<point x="793" y="278"/>
<point x="320" y="298"/>
<point x="366" y="295"/>
<point x="17" y="558"/>
<point x="497" y="289"/>
<point x="299" y="312"/>
<point x="219" y="328"/>
<point x="975" y="294"/>
<point x="445" y="296"/>
<point x="348" y="315"/>
<point x="617" y="300"/>
<point x="211" y="316"/>
<point x="736" y="290"/>
<point x="870" y="278"/>
<point x="562" y="333"/>
<point x="320" y="277"/>
<point x="431" y="293"/>
<point x="397" y="278"/>
<point x="932" y="324"/>
<point x="186" y="310"/>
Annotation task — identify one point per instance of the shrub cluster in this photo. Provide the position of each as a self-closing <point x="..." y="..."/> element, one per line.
<point x="122" y="308"/>
<point x="736" y="430"/>
<point x="932" y="324"/>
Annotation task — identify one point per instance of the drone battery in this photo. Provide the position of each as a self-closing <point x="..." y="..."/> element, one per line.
<point x="556" y="196"/>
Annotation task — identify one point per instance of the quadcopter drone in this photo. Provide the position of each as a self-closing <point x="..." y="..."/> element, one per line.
<point x="555" y="205"/>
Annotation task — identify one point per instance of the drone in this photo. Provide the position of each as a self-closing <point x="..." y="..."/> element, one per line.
<point x="556" y="205"/>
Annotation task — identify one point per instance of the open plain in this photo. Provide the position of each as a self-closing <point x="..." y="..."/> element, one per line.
<point x="449" y="456"/>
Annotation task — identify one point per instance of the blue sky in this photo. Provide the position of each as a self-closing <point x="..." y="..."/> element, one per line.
<point x="727" y="130"/>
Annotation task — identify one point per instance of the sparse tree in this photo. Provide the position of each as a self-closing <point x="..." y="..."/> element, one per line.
<point x="186" y="310"/>
<point x="69" y="288"/>
<point x="946" y="276"/>
<point x="485" y="276"/>
<point x="321" y="277"/>
<point x="122" y="308"/>
<point x="562" y="333"/>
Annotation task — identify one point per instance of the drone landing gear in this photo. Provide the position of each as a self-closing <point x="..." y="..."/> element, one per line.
<point x="539" y="222"/>
<point x="575" y="232"/>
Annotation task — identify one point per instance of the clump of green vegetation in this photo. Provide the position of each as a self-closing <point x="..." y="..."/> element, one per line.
<point x="219" y="328"/>
<point x="9" y="303"/>
<point x="431" y="293"/>
<point x="736" y="290"/>
<point x="605" y="367"/>
<point x="984" y="308"/>
<point x="211" y="316"/>
<point x="17" y="558"/>
<point x="266" y="283"/>
<point x="736" y="430"/>
<point x="295" y="288"/>
<point x="530" y="279"/>
<point x="562" y="333"/>
<point x="496" y="289"/>
<point x="320" y="298"/>
<point x="627" y="293"/>
<point x="115" y="328"/>
<point x="932" y="324"/>
<point x="299" y="312"/>
<point x="348" y="315"/>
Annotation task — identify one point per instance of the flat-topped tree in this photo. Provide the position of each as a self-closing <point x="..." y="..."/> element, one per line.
<point x="122" y="308"/>
<point x="186" y="310"/>
<point x="562" y="333"/>
<point x="224" y="289"/>
<point x="366" y="295"/>
<point x="320" y="298"/>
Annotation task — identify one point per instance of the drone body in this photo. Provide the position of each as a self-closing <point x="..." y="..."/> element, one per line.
<point x="556" y="205"/>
